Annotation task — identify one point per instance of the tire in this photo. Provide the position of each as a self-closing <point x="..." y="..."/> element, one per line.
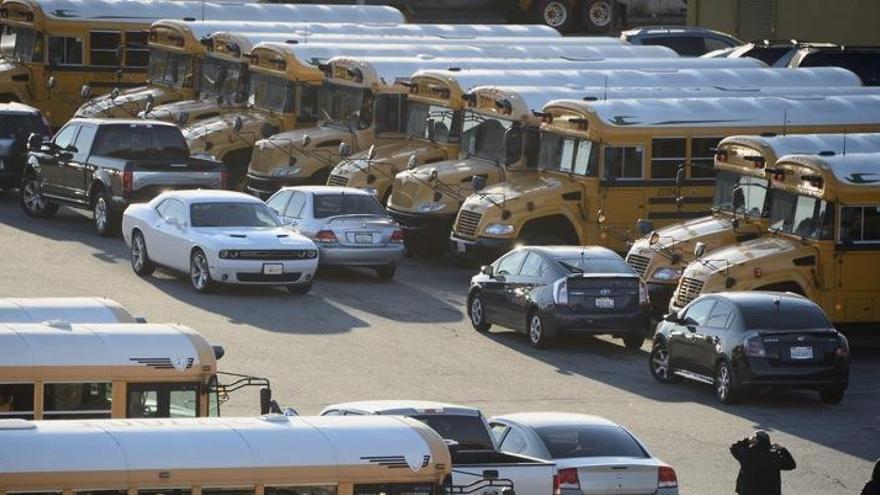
<point x="477" y="314"/>
<point x="103" y="218"/>
<point x="832" y="394"/>
<point x="199" y="272"/>
<point x="659" y="364"/>
<point x="597" y="16"/>
<point x="386" y="272"/>
<point x="725" y="384"/>
<point x="31" y="200"/>
<point x="558" y="14"/>
<point x="539" y="331"/>
<point x="300" y="289"/>
<point x="140" y="260"/>
<point x="633" y="341"/>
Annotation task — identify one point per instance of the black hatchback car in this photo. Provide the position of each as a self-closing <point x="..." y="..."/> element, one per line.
<point x="17" y="123"/>
<point x="547" y="291"/>
<point x="736" y="340"/>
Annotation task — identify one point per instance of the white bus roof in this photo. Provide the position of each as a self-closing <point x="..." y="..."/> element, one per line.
<point x="851" y="169"/>
<point x="773" y="111"/>
<point x="69" y="309"/>
<point x="307" y="29"/>
<point x="404" y="407"/>
<point x="371" y="444"/>
<point x="809" y="144"/>
<point x="145" y="11"/>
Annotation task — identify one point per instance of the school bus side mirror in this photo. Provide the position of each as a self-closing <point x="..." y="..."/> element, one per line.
<point x="52" y="82"/>
<point x="371" y="153"/>
<point x="680" y="176"/>
<point x="600" y="217"/>
<point x="268" y="130"/>
<point x="148" y="107"/>
<point x="699" y="249"/>
<point x="413" y="162"/>
<point x="306" y="140"/>
<point x="237" y="124"/>
<point x="182" y="118"/>
<point x="344" y="150"/>
<point x="644" y="227"/>
<point x="114" y="93"/>
<point x="86" y="92"/>
<point x="478" y="182"/>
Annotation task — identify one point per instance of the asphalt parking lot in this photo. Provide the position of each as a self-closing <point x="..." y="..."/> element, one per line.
<point x="355" y="337"/>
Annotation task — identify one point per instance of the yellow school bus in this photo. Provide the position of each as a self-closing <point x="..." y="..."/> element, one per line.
<point x="741" y="201"/>
<point x="62" y="370"/>
<point x="823" y="240"/>
<point x="268" y="455"/>
<point x="605" y="165"/>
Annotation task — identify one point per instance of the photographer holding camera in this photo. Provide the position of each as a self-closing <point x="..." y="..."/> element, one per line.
<point x="760" y="464"/>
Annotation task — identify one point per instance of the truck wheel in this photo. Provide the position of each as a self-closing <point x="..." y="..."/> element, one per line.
<point x="30" y="197"/>
<point x="557" y="14"/>
<point x="105" y="220"/>
<point x="597" y="16"/>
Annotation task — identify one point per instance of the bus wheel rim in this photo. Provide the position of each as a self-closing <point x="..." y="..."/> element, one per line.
<point x="600" y="14"/>
<point x="555" y="14"/>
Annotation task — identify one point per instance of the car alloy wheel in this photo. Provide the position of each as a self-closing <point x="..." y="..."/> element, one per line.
<point x="537" y="331"/>
<point x="478" y="318"/>
<point x="555" y="14"/>
<point x="198" y="272"/>
<point x="101" y="214"/>
<point x="32" y="200"/>
<point x="660" y="364"/>
<point x="724" y="384"/>
<point x="140" y="261"/>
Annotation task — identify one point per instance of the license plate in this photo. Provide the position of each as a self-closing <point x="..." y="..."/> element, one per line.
<point x="604" y="302"/>
<point x="460" y="247"/>
<point x="363" y="238"/>
<point x="273" y="269"/>
<point x="802" y="353"/>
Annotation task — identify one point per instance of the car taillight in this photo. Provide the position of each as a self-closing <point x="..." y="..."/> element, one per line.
<point x="566" y="479"/>
<point x="560" y="291"/>
<point x="326" y="237"/>
<point x="397" y="237"/>
<point x="643" y="293"/>
<point x="666" y="477"/>
<point x="753" y="346"/>
<point x="127" y="180"/>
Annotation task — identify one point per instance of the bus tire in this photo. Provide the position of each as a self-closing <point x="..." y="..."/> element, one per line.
<point x="558" y="14"/>
<point x="597" y="16"/>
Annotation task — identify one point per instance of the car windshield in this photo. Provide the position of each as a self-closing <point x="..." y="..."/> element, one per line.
<point x="784" y="317"/>
<point x="445" y="121"/>
<point x="171" y="69"/>
<point x="331" y="205"/>
<point x="568" y="154"/>
<point x="229" y="214"/>
<point x="469" y="431"/>
<point x="741" y="194"/>
<point x="221" y="78"/>
<point x="18" y="43"/>
<point x="271" y="93"/>
<point x="483" y="136"/>
<point x="342" y="105"/>
<point x="20" y="126"/>
<point x="140" y="141"/>
<point x="569" y="441"/>
<point x="803" y="216"/>
<point x="589" y="264"/>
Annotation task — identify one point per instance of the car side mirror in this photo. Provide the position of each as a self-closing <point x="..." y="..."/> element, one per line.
<point x="35" y="142"/>
<point x="488" y="271"/>
<point x="699" y="249"/>
<point x="671" y="318"/>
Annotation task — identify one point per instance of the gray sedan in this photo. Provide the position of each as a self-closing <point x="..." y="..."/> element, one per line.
<point x="348" y="225"/>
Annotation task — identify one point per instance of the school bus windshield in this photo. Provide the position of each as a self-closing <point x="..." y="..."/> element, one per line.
<point x="568" y="154"/>
<point x="741" y="194"/>
<point x="221" y="78"/>
<point x="344" y="105"/>
<point x="803" y="216"/>
<point x="170" y="69"/>
<point x="18" y="43"/>
<point x="271" y="93"/>
<point x="483" y="137"/>
<point x="444" y="120"/>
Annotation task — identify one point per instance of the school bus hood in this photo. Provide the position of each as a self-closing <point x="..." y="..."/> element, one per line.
<point x="127" y="104"/>
<point x="681" y="237"/>
<point x="742" y="259"/>
<point x="194" y="109"/>
<point x="322" y="152"/>
<point x="220" y="131"/>
<point x="453" y="182"/>
<point x="516" y="192"/>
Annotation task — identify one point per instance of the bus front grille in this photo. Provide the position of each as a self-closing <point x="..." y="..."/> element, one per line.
<point x="688" y="290"/>
<point x="467" y="224"/>
<point x="639" y="263"/>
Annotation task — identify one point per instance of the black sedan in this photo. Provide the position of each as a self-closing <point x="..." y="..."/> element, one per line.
<point x="735" y="340"/>
<point x="546" y="291"/>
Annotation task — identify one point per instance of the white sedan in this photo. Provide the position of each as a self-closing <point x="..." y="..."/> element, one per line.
<point x="592" y="454"/>
<point x="218" y="237"/>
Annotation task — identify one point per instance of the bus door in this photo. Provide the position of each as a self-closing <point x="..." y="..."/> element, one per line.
<point x="622" y="197"/>
<point x="857" y="257"/>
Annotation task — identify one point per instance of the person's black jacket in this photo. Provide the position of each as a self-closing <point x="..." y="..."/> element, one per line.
<point x="760" y="467"/>
<point x="873" y="487"/>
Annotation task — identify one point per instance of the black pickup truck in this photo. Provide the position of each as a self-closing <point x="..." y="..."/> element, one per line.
<point x="106" y="164"/>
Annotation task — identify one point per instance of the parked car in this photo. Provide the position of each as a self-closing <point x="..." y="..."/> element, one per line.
<point x="17" y="123"/>
<point x="218" y="237"/>
<point x="864" y="61"/>
<point x="737" y="340"/>
<point x="775" y="53"/>
<point x="475" y="455"/>
<point x="593" y="455"/>
<point x="686" y="41"/>
<point x="549" y="290"/>
<point x="107" y="164"/>
<point x="349" y="226"/>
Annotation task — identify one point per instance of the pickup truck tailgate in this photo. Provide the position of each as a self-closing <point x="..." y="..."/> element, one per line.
<point x="150" y="179"/>
<point x="529" y="476"/>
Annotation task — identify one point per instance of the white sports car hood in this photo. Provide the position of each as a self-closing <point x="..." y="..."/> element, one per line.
<point x="253" y="238"/>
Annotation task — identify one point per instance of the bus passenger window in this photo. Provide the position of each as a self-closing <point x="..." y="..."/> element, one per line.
<point x="703" y="157"/>
<point x="162" y="400"/>
<point x="34" y="493"/>
<point x="137" y="52"/>
<point x="228" y="491"/>
<point x="666" y="156"/>
<point x="76" y="400"/>
<point x="860" y="225"/>
<point x="17" y="400"/>
<point x="65" y="50"/>
<point x="623" y="162"/>
<point x="101" y="492"/>
<point x="299" y="490"/>
<point x="165" y="491"/>
<point x="102" y="48"/>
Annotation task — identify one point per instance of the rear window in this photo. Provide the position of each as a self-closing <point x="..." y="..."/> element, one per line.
<point x="20" y="126"/>
<point x="133" y="142"/>
<point x="565" y="442"/>
<point x="469" y="431"/>
<point x="866" y="65"/>
<point x="329" y="205"/>
<point x="587" y="264"/>
<point x="784" y="317"/>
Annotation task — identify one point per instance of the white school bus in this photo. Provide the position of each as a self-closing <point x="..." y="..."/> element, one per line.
<point x="741" y="203"/>
<point x="69" y="309"/>
<point x="605" y="165"/>
<point x="823" y="241"/>
<point x="269" y="455"/>
<point x="61" y="370"/>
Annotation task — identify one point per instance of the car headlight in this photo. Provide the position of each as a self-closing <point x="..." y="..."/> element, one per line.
<point x="228" y="254"/>
<point x="286" y="172"/>
<point x="430" y="207"/>
<point x="499" y="229"/>
<point x="666" y="274"/>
